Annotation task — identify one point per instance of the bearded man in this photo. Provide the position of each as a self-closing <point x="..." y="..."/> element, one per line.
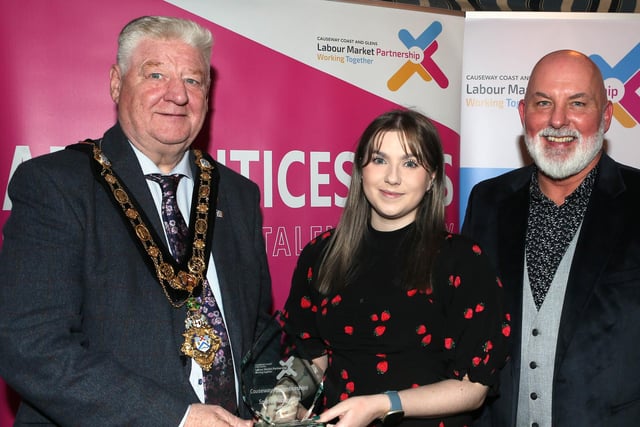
<point x="565" y="236"/>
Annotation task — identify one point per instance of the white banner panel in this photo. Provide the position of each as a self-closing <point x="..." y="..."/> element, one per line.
<point x="389" y="52"/>
<point x="500" y="50"/>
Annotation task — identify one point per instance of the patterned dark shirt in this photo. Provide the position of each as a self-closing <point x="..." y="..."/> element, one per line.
<point x="550" y="229"/>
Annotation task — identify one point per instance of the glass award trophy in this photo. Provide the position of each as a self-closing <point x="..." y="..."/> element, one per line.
<point x="280" y="391"/>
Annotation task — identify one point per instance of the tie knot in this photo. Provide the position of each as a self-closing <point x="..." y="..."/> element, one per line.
<point x="174" y="223"/>
<point x="168" y="183"/>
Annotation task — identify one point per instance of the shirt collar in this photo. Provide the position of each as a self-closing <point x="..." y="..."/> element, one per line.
<point x="582" y="193"/>
<point x="183" y="167"/>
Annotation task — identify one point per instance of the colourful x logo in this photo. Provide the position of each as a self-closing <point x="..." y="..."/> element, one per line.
<point x="427" y="68"/>
<point x="624" y="87"/>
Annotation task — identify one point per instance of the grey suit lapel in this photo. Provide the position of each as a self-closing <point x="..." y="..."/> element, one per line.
<point x="125" y="164"/>
<point x="223" y="252"/>
<point x="224" y="249"/>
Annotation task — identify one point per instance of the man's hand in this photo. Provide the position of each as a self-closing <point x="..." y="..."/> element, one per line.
<point x="213" y="416"/>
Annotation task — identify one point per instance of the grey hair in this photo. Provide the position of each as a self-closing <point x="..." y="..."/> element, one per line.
<point x="162" y="28"/>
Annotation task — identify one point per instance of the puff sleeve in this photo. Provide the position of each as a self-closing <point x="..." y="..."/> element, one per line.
<point x="477" y="329"/>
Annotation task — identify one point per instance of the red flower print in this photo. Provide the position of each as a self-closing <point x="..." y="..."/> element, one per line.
<point x="421" y="330"/>
<point x="488" y="346"/>
<point x="412" y="292"/>
<point x="476" y="249"/>
<point x="309" y="274"/>
<point x="344" y="396"/>
<point x="449" y="343"/>
<point x="486" y="359"/>
<point x="385" y="315"/>
<point x="441" y="424"/>
<point x="508" y="316"/>
<point x="426" y="340"/>
<point x="344" y="374"/>
<point x="304" y="335"/>
<point x="506" y="330"/>
<point x="348" y="330"/>
<point x="305" y="302"/>
<point x="314" y="309"/>
<point x="324" y="302"/>
<point x="476" y="361"/>
<point x="480" y="307"/>
<point x="379" y="330"/>
<point x="454" y="281"/>
<point x="350" y="387"/>
<point x="414" y="385"/>
<point x="324" y="311"/>
<point x="382" y="367"/>
<point x="468" y="313"/>
<point x="374" y="317"/>
<point x="336" y="300"/>
<point x="499" y="282"/>
<point x="382" y="355"/>
<point x="325" y="235"/>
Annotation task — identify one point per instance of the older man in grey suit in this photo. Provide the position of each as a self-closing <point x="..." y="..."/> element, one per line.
<point x="101" y="323"/>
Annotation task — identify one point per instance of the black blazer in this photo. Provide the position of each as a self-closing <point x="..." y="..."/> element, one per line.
<point x="87" y="334"/>
<point x="596" y="380"/>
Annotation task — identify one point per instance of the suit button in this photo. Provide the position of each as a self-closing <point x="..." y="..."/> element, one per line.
<point x="535" y="332"/>
<point x="533" y="396"/>
<point x="534" y="425"/>
<point x="533" y="365"/>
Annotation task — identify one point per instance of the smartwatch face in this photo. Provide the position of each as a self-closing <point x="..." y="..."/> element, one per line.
<point x="392" y="418"/>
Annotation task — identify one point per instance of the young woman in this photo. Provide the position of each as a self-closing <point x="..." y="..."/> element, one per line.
<point x="405" y="319"/>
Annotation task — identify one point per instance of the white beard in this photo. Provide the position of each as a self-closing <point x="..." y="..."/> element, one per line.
<point x="562" y="162"/>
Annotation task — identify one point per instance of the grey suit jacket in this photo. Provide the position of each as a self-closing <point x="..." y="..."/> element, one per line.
<point x="596" y="380"/>
<point x="87" y="334"/>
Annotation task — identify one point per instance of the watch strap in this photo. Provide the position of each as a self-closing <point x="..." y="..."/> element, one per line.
<point x="395" y="415"/>
<point x="396" y="403"/>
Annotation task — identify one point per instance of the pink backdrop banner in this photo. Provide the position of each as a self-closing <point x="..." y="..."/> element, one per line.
<point x="285" y="125"/>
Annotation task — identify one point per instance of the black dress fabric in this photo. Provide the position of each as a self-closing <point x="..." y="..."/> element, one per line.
<point x="380" y="337"/>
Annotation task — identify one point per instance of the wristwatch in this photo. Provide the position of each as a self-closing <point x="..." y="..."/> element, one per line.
<point x="395" y="414"/>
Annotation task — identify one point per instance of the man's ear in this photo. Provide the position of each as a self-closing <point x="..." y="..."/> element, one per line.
<point x="521" y="107"/>
<point x="115" y="82"/>
<point x="607" y="115"/>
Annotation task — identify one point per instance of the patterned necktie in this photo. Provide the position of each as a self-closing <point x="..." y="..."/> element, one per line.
<point x="219" y="382"/>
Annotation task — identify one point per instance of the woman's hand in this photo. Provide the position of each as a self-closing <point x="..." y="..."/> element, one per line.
<point x="358" y="411"/>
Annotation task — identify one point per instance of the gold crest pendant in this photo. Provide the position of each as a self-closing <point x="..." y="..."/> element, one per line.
<point x="200" y="341"/>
